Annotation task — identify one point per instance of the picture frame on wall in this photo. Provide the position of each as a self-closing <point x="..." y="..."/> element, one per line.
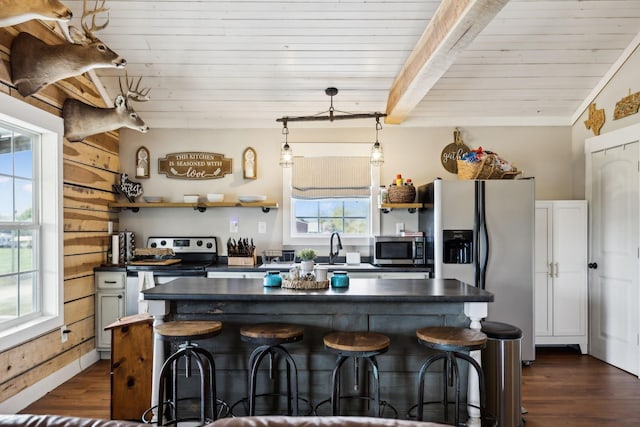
<point x="250" y="164"/>
<point x="142" y="162"/>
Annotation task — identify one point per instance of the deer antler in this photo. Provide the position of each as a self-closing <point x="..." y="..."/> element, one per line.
<point x="92" y="13"/>
<point x="133" y="91"/>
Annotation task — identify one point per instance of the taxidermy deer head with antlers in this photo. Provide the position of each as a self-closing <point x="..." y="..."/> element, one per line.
<point x="35" y="64"/>
<point x="14" y="12"/>
<point x="82" y="120"/>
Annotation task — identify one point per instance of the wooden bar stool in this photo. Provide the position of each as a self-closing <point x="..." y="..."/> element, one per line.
<point x="452" y="344"/>
<point x="187" y="332"/>
<point x="269" y="338"/>
<point x="356" y="345"/>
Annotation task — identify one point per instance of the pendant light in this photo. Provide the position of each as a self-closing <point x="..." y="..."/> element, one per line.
<point x="286" y="153"/>
<point x="377" y="156"/>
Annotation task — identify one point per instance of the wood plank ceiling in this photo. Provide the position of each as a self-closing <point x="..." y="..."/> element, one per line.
<point x="237" y="63"/>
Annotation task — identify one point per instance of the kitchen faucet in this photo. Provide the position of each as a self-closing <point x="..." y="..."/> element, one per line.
<point x="332" y="255"/>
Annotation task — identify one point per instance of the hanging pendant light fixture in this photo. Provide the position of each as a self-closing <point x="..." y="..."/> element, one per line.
<point x="330" y="114"/>
<point x="286" y="153"/>
<point x="377" y="155"/>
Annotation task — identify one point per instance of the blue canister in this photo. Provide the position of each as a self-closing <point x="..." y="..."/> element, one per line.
<point x="272" y="280"/>
<point x="340" y="279"/>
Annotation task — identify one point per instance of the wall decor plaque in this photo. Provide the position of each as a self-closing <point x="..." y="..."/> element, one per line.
<point x="453" y="152"/>
<point x="250" y="163"/>
<point x="627" y="106"/>
<point x="142" y="163"/>
<point x="194" y="165"/>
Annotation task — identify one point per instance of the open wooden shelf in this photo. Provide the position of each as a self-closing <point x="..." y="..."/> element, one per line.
<point x="202" y="206"/>
<point x="388" y="207"/>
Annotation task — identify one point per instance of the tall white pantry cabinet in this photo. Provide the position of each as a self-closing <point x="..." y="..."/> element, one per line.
<point x="561" y="273"/>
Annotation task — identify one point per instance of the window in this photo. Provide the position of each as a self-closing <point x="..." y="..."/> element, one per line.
<point x="323" y="194"/>
<point x="30" y="222"/>
<point x="348" y="216"/>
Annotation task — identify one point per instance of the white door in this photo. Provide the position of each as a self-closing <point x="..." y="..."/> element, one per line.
<point x="612" y="189"/>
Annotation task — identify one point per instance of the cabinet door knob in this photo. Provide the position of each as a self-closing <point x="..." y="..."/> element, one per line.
<point x="593" y="265"/>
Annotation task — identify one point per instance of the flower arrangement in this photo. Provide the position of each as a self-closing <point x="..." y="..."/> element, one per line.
<point x="307" y="254"/>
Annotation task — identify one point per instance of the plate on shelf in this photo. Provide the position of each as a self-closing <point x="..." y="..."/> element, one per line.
<point x="153" y="199"/>
<point x="250" y="199"/>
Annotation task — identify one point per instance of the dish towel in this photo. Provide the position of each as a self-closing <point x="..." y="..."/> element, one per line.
<point x="145" y="281"/>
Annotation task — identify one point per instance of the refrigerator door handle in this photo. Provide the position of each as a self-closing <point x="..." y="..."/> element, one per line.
<point x="485" y="237"/>
<point x="476" y="235"/>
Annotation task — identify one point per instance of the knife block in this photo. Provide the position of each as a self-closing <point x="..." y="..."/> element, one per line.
<point x="242" y="260"/>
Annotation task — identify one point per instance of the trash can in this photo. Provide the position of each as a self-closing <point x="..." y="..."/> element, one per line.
<point x="503" y="373"/>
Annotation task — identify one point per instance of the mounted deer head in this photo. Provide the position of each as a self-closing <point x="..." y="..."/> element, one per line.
<point x="35" y="64"/>
<point x="14" y="12"/>
<point x="82" y="120"/>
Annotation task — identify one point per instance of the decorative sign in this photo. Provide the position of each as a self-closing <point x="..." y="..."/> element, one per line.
<point x="627" y="106"/>
<point x="453" y="152"/>
<point x="194" y="165"/>
<point x="596" y="119"/>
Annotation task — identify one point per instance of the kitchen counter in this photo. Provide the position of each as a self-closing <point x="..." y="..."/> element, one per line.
<point x="393" y="307"/>
<point x="285" y="267"/>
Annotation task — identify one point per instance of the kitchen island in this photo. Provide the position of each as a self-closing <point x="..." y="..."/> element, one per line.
<point x="393" y="307"/>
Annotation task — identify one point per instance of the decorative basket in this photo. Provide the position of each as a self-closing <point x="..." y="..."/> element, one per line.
<point x="305" y="284"/>
<point x="487" y="168"/>
<point x="401" y="193"/>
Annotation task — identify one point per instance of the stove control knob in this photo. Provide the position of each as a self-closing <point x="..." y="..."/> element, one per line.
<point x="163" y="242"/>
<point x="154" y="244"/>
<point x="199" y="243"/>
<point x="209" y="245"/>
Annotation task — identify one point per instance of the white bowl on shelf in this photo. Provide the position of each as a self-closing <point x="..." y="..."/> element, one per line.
<point x="252" y="198"/>
<point x="191" y="198"/>
<point x="215" y="197"/>
<point x="153" y="199"/>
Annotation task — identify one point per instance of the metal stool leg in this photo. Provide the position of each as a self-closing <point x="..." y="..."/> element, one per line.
<point x="335" y="383"/>
<point x="421" y="376"/>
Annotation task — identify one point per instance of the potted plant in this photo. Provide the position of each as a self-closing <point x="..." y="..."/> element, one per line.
<point x="306" y="260"/>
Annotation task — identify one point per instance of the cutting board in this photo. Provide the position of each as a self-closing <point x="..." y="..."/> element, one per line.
<point x="167" y="261"/>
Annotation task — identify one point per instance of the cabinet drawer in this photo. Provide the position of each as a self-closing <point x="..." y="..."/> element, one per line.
<point x="110" y="280"/>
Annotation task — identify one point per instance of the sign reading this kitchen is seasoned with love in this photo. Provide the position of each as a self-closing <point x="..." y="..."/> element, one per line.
<point x="194" y="165"/>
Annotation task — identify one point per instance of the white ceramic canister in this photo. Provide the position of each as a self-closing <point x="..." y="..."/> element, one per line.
<point x="321" y="273"/>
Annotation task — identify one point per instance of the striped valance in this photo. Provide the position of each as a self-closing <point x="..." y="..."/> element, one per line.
<point x="327" y="177"/>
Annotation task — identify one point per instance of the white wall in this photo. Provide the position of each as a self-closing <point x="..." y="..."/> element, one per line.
<point x="542" y="152"/>
<point x="624" y="81"/>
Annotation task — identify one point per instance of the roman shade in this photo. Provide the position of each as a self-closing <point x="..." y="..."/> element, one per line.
<point x="330" y="177"/>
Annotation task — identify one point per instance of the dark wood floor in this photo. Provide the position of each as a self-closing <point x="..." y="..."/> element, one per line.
<point x="561" y="388"/>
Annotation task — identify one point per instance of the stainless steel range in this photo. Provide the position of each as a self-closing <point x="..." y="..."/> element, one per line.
<point x="181" y="257"/>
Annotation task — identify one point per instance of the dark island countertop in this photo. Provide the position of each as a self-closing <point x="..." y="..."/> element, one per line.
<point x="359" y="290"/>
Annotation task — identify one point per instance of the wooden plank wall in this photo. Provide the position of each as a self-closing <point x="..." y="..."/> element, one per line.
<point x="90" y="169"/>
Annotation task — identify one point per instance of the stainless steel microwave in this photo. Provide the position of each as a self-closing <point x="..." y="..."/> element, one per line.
<point x="398" y="250"/>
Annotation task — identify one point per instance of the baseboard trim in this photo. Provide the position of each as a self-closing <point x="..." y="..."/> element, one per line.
<point x="26" y="397"/>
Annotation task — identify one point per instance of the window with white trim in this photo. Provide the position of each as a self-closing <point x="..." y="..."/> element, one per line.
<point x="323" y="194"/>
<point x="31" y="282"/>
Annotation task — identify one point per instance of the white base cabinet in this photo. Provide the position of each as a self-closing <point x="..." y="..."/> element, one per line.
<point x="561" y="273"/>
<point x="110" y="302"/>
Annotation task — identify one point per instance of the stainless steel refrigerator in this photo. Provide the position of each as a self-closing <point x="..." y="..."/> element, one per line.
<point x="482" y="232"/>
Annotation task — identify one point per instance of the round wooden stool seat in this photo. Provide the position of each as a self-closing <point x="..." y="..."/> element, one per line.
<point x="189" y="329"/>
<point x="451" y="338"/>
<point x="357" y="342"/>
<point x="272" y="333"/>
